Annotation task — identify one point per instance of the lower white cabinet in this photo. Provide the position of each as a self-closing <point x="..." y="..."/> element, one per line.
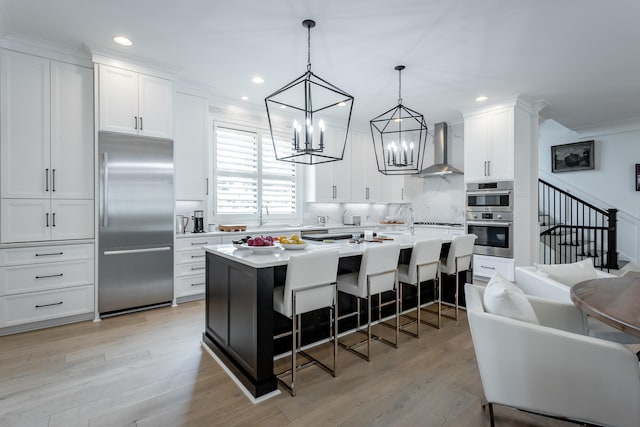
<point x="189" y="268"/>
<point x="41" y="284"/>
<point x="485" y="266"/>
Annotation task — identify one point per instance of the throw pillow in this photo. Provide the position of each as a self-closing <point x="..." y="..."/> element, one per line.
<point x="569" y="274"/>
<point x="503" y="298"/>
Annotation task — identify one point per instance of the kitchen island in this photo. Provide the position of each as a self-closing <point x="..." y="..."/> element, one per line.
<point x="240" y="321"/>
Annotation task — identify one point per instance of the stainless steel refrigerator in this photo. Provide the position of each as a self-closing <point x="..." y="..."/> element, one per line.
<point x="135" y="239"/>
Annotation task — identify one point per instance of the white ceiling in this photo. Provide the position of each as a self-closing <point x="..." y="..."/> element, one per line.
<point x="581" y="56"/>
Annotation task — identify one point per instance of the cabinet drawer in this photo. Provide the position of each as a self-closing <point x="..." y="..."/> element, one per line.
<point x="485" y="266"/>
<point x="189" y="269"/>
<point x="187" y="244"/>
<point x="189" y="256"/>
<point x="45" y="305"/>
<point x="42" y="254"/>
<point x="38" y="277"/>
<point x="189" y="285"/>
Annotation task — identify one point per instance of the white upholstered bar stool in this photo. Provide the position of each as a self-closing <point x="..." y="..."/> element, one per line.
<point x="310" y="284"/>
<point x="378" y="273"/>
<point x="458" y="260"/>
<point x="423" y="266"/>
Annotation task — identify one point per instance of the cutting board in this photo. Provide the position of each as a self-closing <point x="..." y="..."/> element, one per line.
<point x="232" y="227"/>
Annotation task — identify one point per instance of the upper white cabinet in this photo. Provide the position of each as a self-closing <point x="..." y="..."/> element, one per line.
<point x="330" y="182"/>
<point x="393" y="190"/>
<point x="46" y="148"/>
<point x="135" y="103"/>
<point x="190" y="148"/>
<point x="489" y="145"/>
<point x="365" y="178"/>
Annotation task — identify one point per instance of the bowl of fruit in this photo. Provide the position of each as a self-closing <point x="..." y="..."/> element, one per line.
<point x="241" y="243"/>
<point x="292" y="243"/>
<point x="260" y="244"/>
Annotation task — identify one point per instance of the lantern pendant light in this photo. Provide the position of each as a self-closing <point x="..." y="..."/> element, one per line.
<point x="399" y="137"/>
<point x="316" y="113"/>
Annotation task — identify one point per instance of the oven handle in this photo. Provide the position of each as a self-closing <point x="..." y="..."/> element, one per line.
<point x="491" y="192"/>
<point x="490" y="223"/>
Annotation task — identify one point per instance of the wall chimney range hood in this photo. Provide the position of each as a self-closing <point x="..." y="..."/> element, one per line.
<point x="440" y="166"/>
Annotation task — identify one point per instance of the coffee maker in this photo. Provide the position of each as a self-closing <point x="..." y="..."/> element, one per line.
<point x="198" y="221"/>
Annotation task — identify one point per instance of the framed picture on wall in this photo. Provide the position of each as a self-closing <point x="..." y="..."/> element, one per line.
<point x="572" y="157"/>
<point x="637" y="176"/>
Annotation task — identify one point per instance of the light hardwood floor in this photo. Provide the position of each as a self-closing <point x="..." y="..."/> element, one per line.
<point x="148" y="369"/>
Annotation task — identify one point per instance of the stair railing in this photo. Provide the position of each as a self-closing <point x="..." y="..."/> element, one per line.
<point x="575" y="229"/>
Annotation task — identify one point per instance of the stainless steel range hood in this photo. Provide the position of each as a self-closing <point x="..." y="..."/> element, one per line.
<point x="441" y="167"/>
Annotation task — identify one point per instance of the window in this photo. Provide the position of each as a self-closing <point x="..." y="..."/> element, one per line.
<point x="249" y="181"/>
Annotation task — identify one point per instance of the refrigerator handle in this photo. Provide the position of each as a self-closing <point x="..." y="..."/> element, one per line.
<point x="105" y="195"/>
<point x="138" y="251"/>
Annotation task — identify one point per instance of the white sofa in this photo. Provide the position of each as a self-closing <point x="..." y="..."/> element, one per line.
<point x="550" y="368"/>
<point x="535" y="284"/>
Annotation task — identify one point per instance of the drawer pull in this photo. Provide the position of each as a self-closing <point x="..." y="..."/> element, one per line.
<point x="199" y="243"/>
<point x="50" y="275"/>
<point x="487" y="267"/>
<point x="48" y="305"/>
<point x="197" y="284"/>
<point x="51" y="254"/>
<point x="197" y="268"/>
<point x="197" y="256"/>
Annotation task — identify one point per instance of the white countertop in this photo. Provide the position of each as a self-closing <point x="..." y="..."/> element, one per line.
<point x="280" y="256"/>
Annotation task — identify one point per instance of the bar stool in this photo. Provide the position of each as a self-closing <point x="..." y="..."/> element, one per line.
<point x="378" y="273"/>
<point x="423" y="266"/>
<point x="457" y="261"/>
<point x="310" y="284"/>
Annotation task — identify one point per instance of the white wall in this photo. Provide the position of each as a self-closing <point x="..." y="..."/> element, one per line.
<point x="611" y="184"/>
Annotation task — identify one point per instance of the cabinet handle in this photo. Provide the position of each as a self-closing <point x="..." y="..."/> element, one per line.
<point x="367" y="193"/>
<point x="487" y="267"/>
<point x="402" y="194"/>
<point x="197" y="284"/>
<point x="135" y="122"/>
<point x="140" y="122"/>
<point x="197" y="256"/>
<point x="50" y="254"/>
<point x="105" y="200"/>
<point x="46" y="178"/>
<point x="48" y="305"/>
<point x="199" y="243"/>
<point x="335" y="191"/>
<point x="207" y="188"/>
<point x="47" y="218"/>
<point x="53" y="180"/>
<point x="50" y="275"/>
<point x="488" y="167"/>
<point x="53" y="216"/>
<point x="197" y="268"/>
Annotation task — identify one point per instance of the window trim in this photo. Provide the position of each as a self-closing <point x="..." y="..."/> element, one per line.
<point x="261" y="133"/>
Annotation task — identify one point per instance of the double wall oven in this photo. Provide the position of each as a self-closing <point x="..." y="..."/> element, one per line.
<point x="490" y="217"/>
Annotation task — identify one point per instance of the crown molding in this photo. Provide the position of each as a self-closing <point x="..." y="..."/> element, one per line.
<point x="609" y="128"/>
<point x="520" y="101"/>
<point x="115" y="58"/>
<point x="46" y="49"/>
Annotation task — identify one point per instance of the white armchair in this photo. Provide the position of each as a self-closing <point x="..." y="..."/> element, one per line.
<point x="551" y="369"/>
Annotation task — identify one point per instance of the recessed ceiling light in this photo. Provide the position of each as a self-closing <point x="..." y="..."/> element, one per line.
<point x="481" y="98"/>
<point x="257" y="80"/>
<point x="122" y="41"/>
<point x="244" y="98"/>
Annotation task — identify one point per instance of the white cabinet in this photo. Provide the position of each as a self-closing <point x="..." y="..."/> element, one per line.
<point x="365" y="178"/>
<point x="135" y="103"/>
<point x="189" y="270"/>
<point x="489" y="145"/>
<point x="45" y="285"/>
<point x="330" y="182"/>
<point x="46" y="149"/>
<point x="190" y="148"/>
<point x="393" y="190"/>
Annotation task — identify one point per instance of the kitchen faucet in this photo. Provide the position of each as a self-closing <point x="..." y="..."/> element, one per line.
<point x="411" y="221"/>
<point x="261" y="221"/>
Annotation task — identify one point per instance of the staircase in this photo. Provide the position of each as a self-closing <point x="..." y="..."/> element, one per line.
<point x="572" y="229"/>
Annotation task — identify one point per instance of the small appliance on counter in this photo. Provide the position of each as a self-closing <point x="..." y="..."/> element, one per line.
<point x="198" y="221"/>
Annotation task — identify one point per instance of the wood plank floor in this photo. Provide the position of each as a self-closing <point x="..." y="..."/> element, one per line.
<point x="148" y="369"/>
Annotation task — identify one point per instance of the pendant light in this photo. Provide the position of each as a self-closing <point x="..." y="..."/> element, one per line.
<point x="399" y="137"/>
<point x="316" y="113"/>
